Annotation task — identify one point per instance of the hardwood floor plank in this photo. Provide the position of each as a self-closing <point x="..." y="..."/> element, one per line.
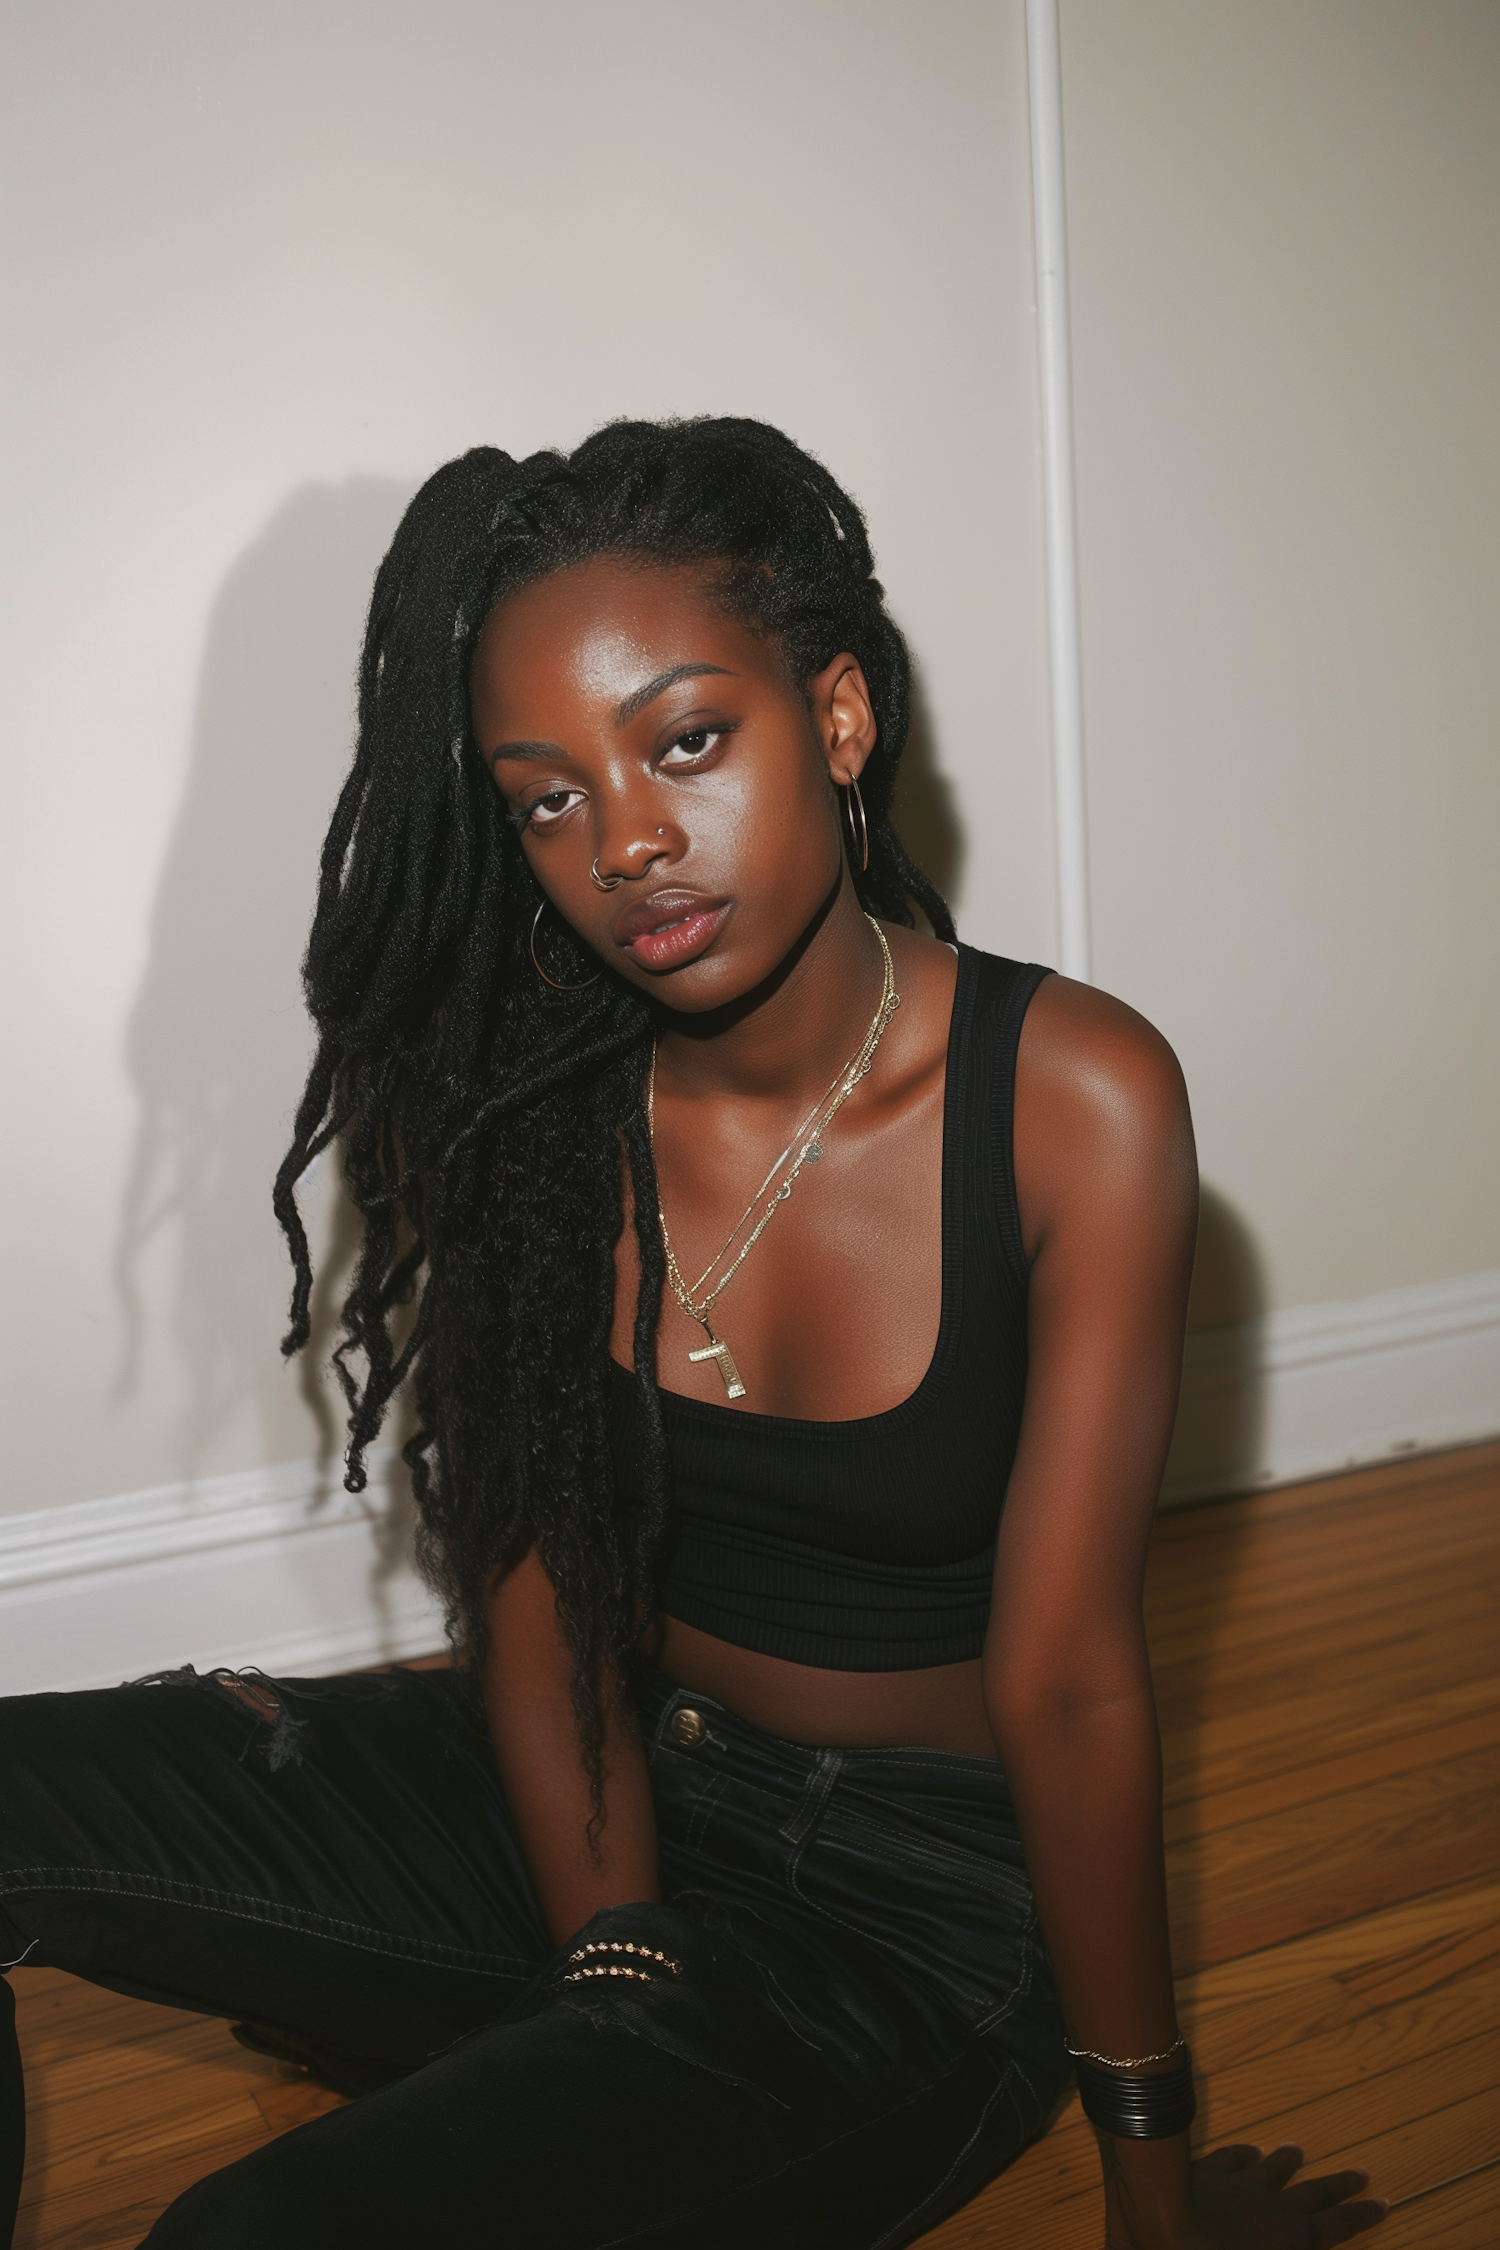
<point x="1438" y="1653"/>
<point x="1226" y="1802"/>
<point x="135" y="2169"/>
<point x="88" y="2229"/>
<point x="1358" y="1492"/>
<point x="1260" y="1586"/>
<point x="1236" y="1643"/>
<point x="1292" y="1514"/>
<point x="62" y="2014"/>
<point x="1464" y="2215"/>
<point x="1272" y="1879"/>
<point x="1412" y="2127"/>
<point x="1222" y="1649"/>
<point x="127" y="2105"/>
<point x="1462" y="2022"/>
<point x="1443" y="1972"/>
<point x="1430" y="2151"/>
<point x="1211" y="1690"/>
<point x="1347" y="1949"/>
<point x="1250" y="1607"/>
<point x="203" y="2056"/>
<point x="188" y="2142"/>
<point x="1234" y="1545"/>
<point x="1211" y="1541"/>
<point x="1263" y="1586"/>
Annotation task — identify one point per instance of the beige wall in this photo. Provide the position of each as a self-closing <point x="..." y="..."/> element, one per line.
<point x="274" y="264"/>
<point x="1284" y="227"/>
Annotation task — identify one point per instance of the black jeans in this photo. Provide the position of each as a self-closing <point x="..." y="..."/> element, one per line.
<point x="854" y="2028"/>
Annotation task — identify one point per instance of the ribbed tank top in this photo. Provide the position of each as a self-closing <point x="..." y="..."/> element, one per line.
<point x="868" y="1545"/>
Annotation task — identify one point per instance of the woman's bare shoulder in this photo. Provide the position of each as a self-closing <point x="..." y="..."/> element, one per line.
<point x="1100" y="1098"/>
<point x="1084" y="1048"/>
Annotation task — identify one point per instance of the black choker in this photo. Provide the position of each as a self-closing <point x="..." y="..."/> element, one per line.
<point x="1139" y="2105"/>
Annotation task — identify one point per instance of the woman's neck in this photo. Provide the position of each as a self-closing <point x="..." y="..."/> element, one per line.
<point x="782" y="1040"/>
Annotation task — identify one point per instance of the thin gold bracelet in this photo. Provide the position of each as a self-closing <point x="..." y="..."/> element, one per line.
<point x="1116" y="2062"/>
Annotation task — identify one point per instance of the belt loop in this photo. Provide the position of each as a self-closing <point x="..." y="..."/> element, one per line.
<point x="814" y="1797"/>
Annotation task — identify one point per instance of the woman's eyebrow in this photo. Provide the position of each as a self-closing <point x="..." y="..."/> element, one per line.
<point x="523" y="750"/>
<point x="636" y="702"/>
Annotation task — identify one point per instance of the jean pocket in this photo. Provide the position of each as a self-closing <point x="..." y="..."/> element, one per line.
<point x="960" y="1920"/>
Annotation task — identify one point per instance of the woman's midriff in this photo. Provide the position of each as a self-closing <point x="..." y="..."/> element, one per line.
<point x="938" y="1708"/>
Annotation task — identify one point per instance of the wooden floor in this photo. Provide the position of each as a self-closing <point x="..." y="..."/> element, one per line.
<point x="1328" y="1666"/>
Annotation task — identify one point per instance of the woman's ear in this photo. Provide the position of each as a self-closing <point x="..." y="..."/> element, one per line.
<point x="843" y="717"/>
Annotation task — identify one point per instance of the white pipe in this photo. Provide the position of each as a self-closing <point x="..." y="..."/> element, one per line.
<point x="1049" y="215"/>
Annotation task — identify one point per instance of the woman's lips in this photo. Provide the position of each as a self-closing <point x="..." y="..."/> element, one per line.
<point x="679" y="935"/>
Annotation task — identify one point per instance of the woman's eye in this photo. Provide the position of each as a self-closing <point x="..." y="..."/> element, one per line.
<point x="693" y="744"/>
<point x="542" y="811"/>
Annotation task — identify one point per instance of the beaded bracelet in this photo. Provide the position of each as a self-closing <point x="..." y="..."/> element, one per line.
<point x="589" y="1967"/>
<point x="1139" y="2105"/>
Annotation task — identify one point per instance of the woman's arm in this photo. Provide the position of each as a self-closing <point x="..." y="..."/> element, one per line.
<point x="527" y="1692"/>
<point x="1107" y="1184"/>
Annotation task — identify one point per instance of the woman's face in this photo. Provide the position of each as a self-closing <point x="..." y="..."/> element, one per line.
<point x="635" y="728"/>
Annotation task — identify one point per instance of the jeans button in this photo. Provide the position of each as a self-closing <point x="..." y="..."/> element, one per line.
<point x="689" y="1727"/>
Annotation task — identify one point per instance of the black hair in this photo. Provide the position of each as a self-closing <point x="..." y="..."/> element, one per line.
<point x="482" y="1114"/>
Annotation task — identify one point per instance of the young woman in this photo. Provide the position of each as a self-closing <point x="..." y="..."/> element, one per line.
<point x="793" y="1304"/>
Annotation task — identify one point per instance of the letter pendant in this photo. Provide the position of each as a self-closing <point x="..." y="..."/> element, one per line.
<point x="724" y="1357"/>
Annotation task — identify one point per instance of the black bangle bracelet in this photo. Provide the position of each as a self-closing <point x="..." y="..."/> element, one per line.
<point x="1139" y="2105"/>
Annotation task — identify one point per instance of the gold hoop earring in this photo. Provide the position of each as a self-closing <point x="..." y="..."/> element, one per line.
<point x="859" y="838"/>
<point x="541" y="972"/>
<point x="603" y="882"/>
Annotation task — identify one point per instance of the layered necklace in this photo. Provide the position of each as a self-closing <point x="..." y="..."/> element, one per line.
<point x="805" y="1147"/>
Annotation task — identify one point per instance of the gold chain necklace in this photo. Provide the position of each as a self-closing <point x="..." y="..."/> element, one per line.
<point x="807" y="1151"/>
<point x="798" y="1140"/>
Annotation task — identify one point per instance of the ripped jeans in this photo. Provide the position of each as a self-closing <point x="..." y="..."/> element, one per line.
<point x="840" y="2025"/>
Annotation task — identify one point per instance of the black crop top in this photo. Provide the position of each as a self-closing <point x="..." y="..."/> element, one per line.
<point x="868" y="1546"/>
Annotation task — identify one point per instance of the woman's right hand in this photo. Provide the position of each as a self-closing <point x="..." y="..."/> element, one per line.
<point x="1241" y="2200"/>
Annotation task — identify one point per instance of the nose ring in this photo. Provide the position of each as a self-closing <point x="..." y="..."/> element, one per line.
<point x="603" y="882"/>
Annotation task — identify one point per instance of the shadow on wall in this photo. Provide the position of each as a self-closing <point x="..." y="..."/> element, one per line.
<point x="218" y="1042"/>
<point x="924" y="810"/>
<point x="1218" y="1427"/>
<point x="1217" y="1442"/>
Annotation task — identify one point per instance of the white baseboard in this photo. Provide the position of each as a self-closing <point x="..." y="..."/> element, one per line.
<point x="277" y="1567"/>
<point x="1321" y="1388"/>
<point x="282" y="1568"/>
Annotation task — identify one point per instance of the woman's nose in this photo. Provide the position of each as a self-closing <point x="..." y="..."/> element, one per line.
<point x="623" y="856"/>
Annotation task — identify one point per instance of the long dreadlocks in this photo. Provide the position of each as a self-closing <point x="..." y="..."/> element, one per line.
<point x="482" y="1115"/>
